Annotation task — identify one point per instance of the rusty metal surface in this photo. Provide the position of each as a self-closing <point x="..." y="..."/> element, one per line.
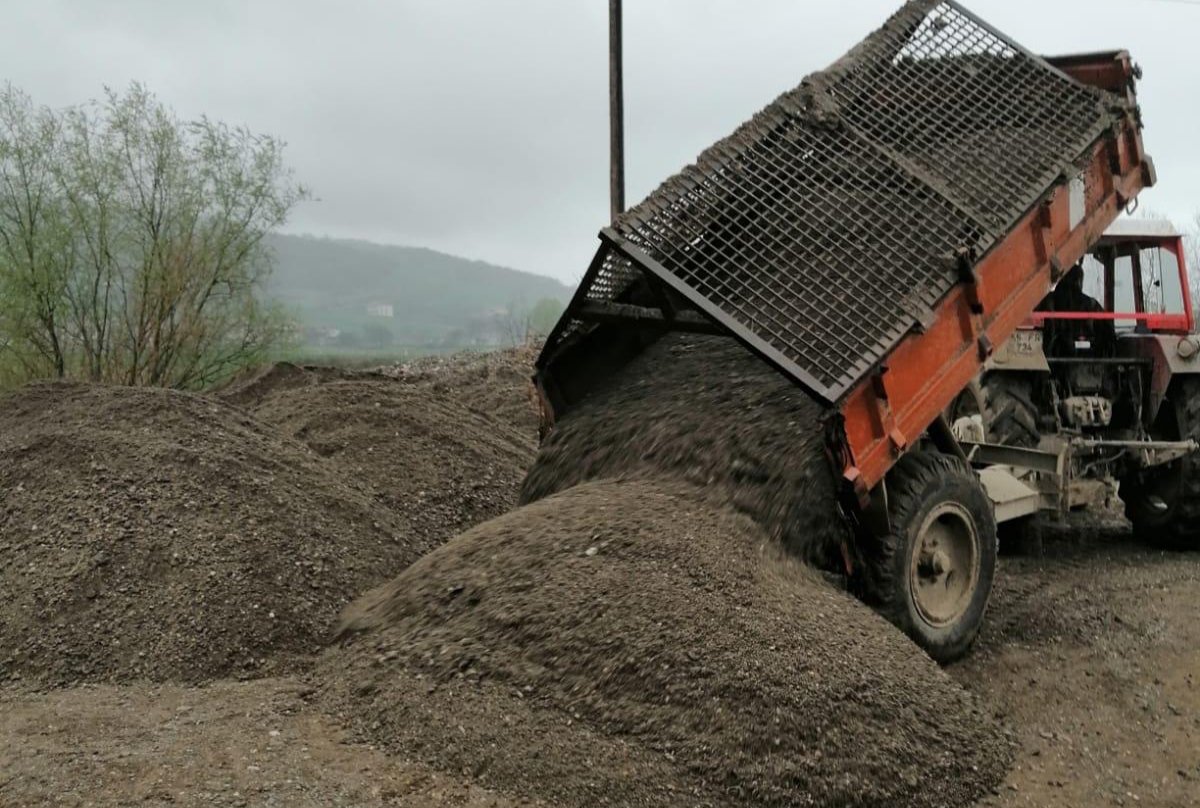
<point x="826" y="227"/>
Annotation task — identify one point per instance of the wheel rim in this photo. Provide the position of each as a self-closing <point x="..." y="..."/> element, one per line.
<point x="944" y="566"/>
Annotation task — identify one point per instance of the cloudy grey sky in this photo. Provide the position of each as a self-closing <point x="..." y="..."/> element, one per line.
<point x="479" y="127"/>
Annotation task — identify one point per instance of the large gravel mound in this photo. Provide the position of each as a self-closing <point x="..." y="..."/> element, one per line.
<point x="495" y="382"/>
<point x="251" y="387"/>
<point x="707" y="411"/>
<point x="628" y="643"/>
<point x="155" y="534"/>
<point x="428" y="457"/>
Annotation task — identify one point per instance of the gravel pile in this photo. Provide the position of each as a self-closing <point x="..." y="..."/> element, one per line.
<point x="168" y="536"/>
<point x="494" y="382"/>
<point x="428" y="458"/>
<point x="154" y="534"/>
<point x="630" y="643"/>
<point x="251" y="387"/>
<point x="705" y="411"/>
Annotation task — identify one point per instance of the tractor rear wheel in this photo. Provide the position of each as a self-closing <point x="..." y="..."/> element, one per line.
<point x="1004" y="402"/>
<point x="931" y="575"/>
<point x="1164" y="504"/>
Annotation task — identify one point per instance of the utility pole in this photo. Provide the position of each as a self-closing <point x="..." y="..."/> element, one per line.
<point x="616" y="112"/>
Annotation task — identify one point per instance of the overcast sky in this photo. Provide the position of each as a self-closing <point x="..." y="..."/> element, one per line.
<point x="479" y="127"/>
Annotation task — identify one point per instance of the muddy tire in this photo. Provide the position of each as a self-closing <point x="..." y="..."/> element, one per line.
<point x="1004" y="401"/>
<point x="932" y="574"/>
<point x="1177" y="485"/>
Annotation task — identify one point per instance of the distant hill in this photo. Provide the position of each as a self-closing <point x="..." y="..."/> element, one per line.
<point x="360" y="294"/>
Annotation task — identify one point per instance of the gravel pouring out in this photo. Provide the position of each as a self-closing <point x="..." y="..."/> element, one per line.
<point x="643" y="631"/>
<point x="705" y="411"/>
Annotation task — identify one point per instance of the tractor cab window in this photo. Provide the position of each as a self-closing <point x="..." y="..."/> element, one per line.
<point x="1125" y="292"/>
<point x="1161" y="289"/>
<point x="1093" y="278"/>
<point x="1145" y="280"/>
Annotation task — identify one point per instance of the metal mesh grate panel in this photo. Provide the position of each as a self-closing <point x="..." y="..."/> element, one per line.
<point x="984" y="119"/>
<point x="616" y="273"/>
<point x="772" y="215"/>
<point x="826" y="226"/>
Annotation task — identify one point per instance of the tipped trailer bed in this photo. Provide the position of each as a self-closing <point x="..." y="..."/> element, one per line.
<point x="874" y="234"/>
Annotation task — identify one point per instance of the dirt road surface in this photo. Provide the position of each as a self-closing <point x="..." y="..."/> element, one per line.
<point x="1091" y="657"/>
<point x="227" y="744"/>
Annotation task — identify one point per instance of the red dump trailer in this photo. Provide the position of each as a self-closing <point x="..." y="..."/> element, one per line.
<point x="875" y="234"/>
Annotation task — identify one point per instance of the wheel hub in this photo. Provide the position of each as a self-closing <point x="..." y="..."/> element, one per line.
<point x="945" y="564"/>
<point x="934" y="564"/>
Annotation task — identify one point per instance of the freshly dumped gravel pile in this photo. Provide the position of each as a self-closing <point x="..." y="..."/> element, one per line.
<point x="707" y="411"/>
<point x="630" y="643"/>
<point x="154" y="534"/>
<point x="441" y="465"/>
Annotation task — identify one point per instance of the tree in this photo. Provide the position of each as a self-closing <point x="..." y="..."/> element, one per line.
<point x="544" y="316"/>
<point x="521" y="325"/>
<point x="132" y="243"/>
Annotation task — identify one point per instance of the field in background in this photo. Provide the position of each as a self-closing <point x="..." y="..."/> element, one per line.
<point x="366" y="357"/>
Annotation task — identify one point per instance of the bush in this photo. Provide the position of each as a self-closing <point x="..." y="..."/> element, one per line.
<point x="131" y="242"/>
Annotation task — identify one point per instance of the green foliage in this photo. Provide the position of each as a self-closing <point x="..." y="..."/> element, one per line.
<point x="544" y="315"/>
<point x="132" y="243"/>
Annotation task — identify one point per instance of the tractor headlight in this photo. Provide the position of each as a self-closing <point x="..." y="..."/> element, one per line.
<point x="1187" y="348"/>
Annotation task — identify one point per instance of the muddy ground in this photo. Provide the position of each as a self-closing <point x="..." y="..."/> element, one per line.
<point x="227" y="744"/>
<point x="1091" y="657"/>
<point x="1088" y="662"/>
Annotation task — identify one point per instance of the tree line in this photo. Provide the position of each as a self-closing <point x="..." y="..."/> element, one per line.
<point x="131" y="242"/>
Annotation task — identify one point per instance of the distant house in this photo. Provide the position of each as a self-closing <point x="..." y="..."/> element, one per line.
<point x="380" y="310"/>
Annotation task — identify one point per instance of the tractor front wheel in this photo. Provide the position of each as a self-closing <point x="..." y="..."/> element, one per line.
<point x="1163" y="504"/>
<point x="931" y="575"/>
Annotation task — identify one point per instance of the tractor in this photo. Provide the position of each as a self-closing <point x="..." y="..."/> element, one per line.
<point x="1104" y="377"/>
<point x="919" y="238"/>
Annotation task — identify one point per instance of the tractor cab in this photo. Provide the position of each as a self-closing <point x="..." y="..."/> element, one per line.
<point x="1134" y="281"/>
<point x="1114" y="329"/>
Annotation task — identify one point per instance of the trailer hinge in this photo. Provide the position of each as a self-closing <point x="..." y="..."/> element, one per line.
<point x="877" y="384"/>
<point x="1112" y="148"/>
<point x="841" y="458"/>
<point x="857" y="486"/>
<point x="967" y="275"/>
<point x="971" y="290"/>
<point x="887" y="420"/>
<point x="985" y="347"/>
<point x="1045" y="221"/>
